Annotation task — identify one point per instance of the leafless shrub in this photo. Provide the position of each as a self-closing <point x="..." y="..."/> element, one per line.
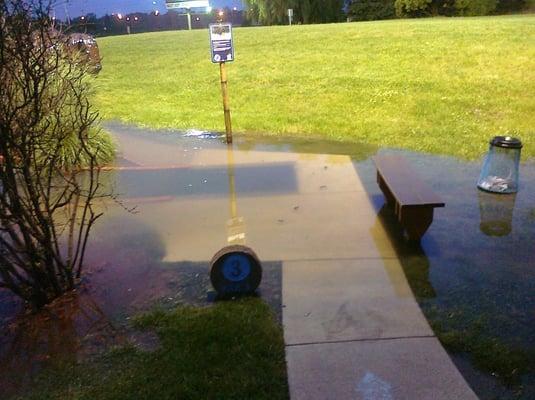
<point x="49" y="156"/>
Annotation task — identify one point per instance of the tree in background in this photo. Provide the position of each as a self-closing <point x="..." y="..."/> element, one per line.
<point x="423" y="8"/>
<point x="369" y="10"/>
<point x="412" y="8"/>
<point x="49" y="152"/>
<point x="333" y="11"/>
<point x="258" y="11"/>
<point x="475" y="7"/>
<point x="269" y="12"/>
<point x="507" y="6"/>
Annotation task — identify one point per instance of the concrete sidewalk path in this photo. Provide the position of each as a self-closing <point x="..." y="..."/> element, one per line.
<point x="352" y="327"/>
<point x="354" y="331"/>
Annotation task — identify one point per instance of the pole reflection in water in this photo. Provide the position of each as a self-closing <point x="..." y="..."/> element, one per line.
<point x="235" y="225"/>
<point x="496" y="212"/>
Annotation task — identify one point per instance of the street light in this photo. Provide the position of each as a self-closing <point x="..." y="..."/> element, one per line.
<point x="82" y="21"/>
<point x="233" y="14"/>
<point x="220" y="14"/>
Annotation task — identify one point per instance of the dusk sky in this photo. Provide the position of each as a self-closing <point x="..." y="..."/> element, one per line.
<point x="101" y="7"/>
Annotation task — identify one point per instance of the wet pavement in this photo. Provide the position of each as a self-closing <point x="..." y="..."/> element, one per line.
<point x="474" y="273"/>
<point x="296" y="203"/>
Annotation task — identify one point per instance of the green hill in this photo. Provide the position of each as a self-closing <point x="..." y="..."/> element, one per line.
<point x="437" y="85"/>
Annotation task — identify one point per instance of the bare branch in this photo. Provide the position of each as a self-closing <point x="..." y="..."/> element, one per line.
<point x="49" y="175"/>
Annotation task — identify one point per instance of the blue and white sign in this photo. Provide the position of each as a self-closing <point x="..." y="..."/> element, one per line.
<point x="221" y="43"/>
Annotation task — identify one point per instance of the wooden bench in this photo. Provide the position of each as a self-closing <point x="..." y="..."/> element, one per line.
<point x="412" y="199"/>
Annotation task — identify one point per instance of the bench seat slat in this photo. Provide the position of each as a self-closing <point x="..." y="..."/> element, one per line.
<point x="407" y="188"/>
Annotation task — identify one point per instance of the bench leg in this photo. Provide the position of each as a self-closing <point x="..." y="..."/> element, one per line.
<point x="415" y="220"/>
<point x="386" y="191"/>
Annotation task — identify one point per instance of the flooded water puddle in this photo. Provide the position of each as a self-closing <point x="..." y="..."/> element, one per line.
<point x="181" y="198"/>
<point x="474" y="273"/>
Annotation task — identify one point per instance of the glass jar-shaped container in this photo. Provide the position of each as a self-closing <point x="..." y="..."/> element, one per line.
<point x="501" y="166"/>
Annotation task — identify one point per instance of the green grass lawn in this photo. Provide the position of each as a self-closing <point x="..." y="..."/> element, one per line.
<point x="233" y="350"/>
<point x="437" y="85"/>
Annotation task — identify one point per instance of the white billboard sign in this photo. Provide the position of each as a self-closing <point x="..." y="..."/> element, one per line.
<point x="177" y="4"/>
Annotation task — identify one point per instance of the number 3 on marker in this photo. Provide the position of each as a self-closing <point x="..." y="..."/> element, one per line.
<point x="235" y="270"/>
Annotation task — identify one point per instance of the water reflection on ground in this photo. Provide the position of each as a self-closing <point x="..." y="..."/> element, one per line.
<point x="474" y="272"/>
<point x="181" y="200"/>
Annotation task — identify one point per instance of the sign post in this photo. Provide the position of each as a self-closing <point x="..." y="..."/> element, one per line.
<point x="222" y="51"/>
<point x="290" y="15"/>
<point x="189" y="20"/>
<point x="226" y="102"/>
